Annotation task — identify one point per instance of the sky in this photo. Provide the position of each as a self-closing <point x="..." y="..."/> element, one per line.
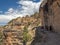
<point x="10" y="9"/>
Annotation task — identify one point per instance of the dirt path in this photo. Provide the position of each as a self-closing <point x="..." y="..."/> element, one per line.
<point x="52" y="39"/>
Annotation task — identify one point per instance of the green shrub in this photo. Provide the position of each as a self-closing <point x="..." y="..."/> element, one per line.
<point x="26" y="36"/>
<point x="25" y="31"/>
<point x="29" y="37"/>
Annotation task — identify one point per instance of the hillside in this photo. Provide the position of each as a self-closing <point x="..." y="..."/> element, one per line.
<point x="24" y="23"/>
<point x="42" y="28"/>
<point x="20" y="22"/>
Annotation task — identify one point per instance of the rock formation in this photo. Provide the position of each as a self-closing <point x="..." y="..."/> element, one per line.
<point x="12" y="37"/>
<point x="50" y="14"/>
<point x="13" y="30"/>
<point x="43" y="27"/>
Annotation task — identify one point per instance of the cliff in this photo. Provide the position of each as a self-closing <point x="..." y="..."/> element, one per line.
<point x="42" y="28"/>
<point x="50" y="14"/>
<point x="25" y="26"/>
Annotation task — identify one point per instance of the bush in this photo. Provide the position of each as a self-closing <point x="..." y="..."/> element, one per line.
<point x="26" y="36"/>
<point x="25" y="31"/>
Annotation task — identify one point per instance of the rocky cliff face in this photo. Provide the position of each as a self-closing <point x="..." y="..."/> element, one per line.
<point x="12" y="37"/>
<point x="50" y="14"/>
<point x="19" y="24"/>
<point x="33" y="20"/>
<point x="34" y="28"/>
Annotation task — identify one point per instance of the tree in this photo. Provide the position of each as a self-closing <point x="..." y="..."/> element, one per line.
<point x="25" y="31"/>
<point x="26" y="36"/>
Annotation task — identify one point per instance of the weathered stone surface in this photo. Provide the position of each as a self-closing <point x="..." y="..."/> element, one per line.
<point x="47" y="18"/>
<point x="13" y="37"/>
<point x="50" y="14"/>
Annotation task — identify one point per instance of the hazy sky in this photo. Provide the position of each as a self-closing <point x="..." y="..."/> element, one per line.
<point x="10" y="9"/>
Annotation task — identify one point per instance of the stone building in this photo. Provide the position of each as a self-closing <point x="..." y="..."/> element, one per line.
<point x="50" y="14"/>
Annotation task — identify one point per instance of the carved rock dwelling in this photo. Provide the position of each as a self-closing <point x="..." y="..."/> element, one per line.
<point x="50" y="14"/>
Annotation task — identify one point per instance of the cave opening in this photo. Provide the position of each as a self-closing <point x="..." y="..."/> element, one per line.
<point x="51" y="28"/>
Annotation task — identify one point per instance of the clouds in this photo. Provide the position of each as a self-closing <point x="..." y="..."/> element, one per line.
<point x="26" y="7"/>
<point x="10" y="11"/>
<point x="1" y="12"/>
<point x="29" y="7"/>
<point x="4" y="19"/>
